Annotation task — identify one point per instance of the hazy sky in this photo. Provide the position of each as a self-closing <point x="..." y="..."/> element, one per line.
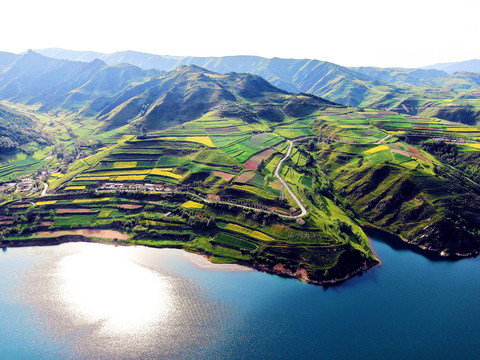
<point x="404" y="33"/>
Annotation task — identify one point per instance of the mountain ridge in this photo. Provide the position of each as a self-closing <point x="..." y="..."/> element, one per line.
<point x="122" y="93"/>
<point x="351" y="86"/>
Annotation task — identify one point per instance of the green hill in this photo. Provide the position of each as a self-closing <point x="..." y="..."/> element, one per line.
<point x="17" y="130"/>
<point x="392" y="88"/>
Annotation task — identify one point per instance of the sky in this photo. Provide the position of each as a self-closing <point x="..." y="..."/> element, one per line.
<point x="386" y="33"/>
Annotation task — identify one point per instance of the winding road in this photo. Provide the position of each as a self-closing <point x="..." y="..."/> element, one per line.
<point x="384" y="139"/>
<point x="277" y="175"/>
<point x="44" y="191"/>
<point x="284" y="183"/>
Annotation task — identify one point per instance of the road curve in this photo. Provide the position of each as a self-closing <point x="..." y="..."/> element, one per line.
<point x="44" y="191"/>
<point x="384" y="139"/>
<point x="284" y="183"/>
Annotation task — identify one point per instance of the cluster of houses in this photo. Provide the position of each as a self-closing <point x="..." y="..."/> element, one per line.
<point x="7" y="187"/>
<point x="24" y="185"/>
<point x="450" y="140"/>
<point x="136" y="187"/>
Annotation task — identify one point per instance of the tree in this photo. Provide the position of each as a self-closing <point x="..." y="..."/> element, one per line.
<point x="261" y="166"/>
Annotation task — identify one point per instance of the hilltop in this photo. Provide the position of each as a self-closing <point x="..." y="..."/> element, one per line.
<point x="417" y="91"/>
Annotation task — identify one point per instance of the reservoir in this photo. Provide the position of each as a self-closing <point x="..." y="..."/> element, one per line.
<point x="93" y="301"/>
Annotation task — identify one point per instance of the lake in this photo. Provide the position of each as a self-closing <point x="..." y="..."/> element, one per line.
<point x="92" y="301"/>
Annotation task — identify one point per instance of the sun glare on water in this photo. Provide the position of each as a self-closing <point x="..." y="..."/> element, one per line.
<point x="105" y="288"/>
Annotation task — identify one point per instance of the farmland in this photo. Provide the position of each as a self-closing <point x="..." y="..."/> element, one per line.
<point x="209" y="186"/>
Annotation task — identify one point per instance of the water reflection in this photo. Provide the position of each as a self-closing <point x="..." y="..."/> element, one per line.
<point x="103" y="287"/>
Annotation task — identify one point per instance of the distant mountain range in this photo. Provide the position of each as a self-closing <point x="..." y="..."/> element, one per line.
<point x="453" y="67"/>
<point x="360" y="86"/>
<point x="95" y="84"/>
<point x="119" y="94"/>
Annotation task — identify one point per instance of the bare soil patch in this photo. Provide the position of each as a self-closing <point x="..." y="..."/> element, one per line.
<point x="250" y="165"/>
<point x="245" y="177"/>
<point x="225" y="176"/>
<point x="73" y="211"/>
<point x="106" y="234"/>
<point x="129" y="206"/>
<point x="264" y="155"/>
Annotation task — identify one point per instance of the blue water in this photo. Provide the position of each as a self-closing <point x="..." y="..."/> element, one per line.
<point x="410" y="307"/>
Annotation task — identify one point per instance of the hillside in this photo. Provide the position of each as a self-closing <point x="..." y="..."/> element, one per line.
<point x="18" y="130"/>
<point x="70" y="85"/>
<point x="417" y="77"/>
<point x="321" y="78"/>
<point x="460" y="66"/>
<point x="120" y="94"/>
<point x="391" y="88"/>
<point x="6" y="59"/>
<point x="211" y="185"/>
<point x="395" y="185"/>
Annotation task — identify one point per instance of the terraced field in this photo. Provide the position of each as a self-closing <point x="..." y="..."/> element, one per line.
<point x="207" y="186"/>
<point x="210" y="186"/>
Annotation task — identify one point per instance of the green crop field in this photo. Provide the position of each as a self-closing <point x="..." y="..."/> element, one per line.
<point x="202" y="177"/>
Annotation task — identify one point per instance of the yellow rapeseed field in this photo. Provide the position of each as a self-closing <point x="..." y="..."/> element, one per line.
<point x="192" y="205"/>
<point x="396" y="132"/>
<point x="124" y="164"/>
<point x="165" y="172"/>
<point x="475" y="146"/>
<point x="463" y="129"/>
<point x="253" y="233"/>
<point x="126" y="138"/>
<point x="376" y="149"/>
<point x="49" y="202"/>
<point x="205" y="140"/>
<point x="75" y="187"/>
<point x="168" y="138"/>
<point x="128" y="178"/>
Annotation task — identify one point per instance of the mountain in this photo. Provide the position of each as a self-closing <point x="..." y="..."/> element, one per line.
<point x="189" y="92"/>
<point x="17" y="130"/>
<point x="356" y="86"/>
<point x="64" y="84"/>
<point x="119" y="94"/>
<point x="6" y="59"/>
<point x="417" y="77"/>
<point x="453" y="67"/>
<point x="62" y="54"/>
<point x="321" y="78"/>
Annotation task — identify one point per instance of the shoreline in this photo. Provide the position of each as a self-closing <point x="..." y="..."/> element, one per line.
<point x="399" y="242"/>
<point x="299" y="274"/>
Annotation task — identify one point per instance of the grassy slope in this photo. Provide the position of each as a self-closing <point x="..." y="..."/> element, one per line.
<point x="427" y="202"/>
